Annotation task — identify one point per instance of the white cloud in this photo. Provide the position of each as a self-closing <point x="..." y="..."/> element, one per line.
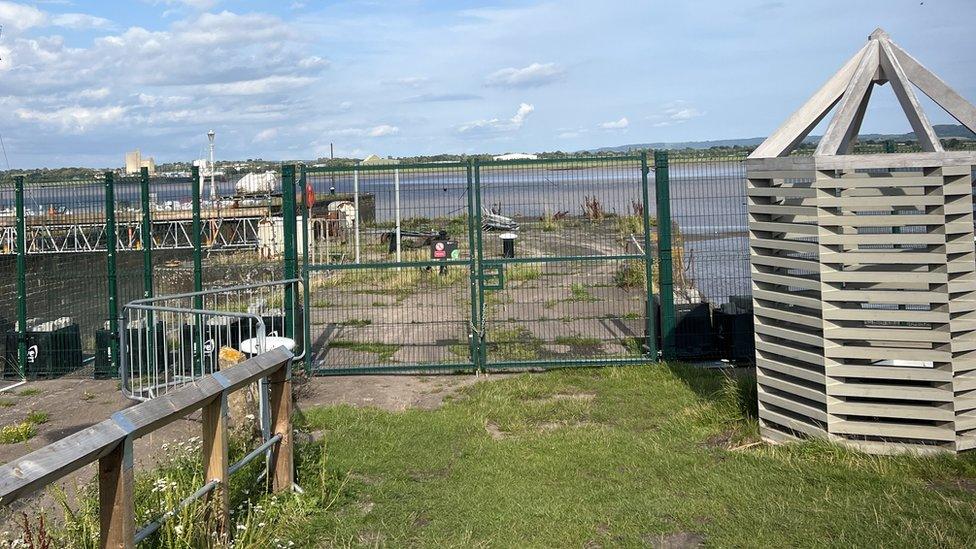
<point x="266" y="85"/>
<point x="406" y="81"/>
<point x="496" y="125"/>
<point x="676" y="112"/>
<point x="199" y="5"/>
<point x="536" y="74"/>
<point x="616" y="124"/>
<point x="74" y="119"/>
<point x="81" y="21"/>
<point x="383" y="130"/>
<point x="265" y="135"/>
<point x="20" y="17"/>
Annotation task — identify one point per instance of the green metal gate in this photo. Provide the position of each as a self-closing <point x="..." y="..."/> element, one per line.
<point x="408" y="271"/>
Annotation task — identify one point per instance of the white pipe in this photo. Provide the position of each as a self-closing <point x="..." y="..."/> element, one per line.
<point x="355" y="219"/>
<point x="14" y="386"/>
<point x="396" y="205"/>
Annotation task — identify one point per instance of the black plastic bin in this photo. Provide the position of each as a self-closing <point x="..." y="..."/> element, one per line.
<point x="49" y="354"/>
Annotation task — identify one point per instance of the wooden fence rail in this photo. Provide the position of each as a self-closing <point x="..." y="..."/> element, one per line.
<point x="110" y="443"/>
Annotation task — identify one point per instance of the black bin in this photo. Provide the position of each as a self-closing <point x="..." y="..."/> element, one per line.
<point x="49" y="354"/>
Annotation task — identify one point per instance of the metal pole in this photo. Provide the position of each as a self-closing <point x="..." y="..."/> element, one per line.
<point x="306" y="298"/>
<point x="481" y="358"/>
<point x="147" y="240"/>
<point x="110" y="245"/>
<point x="21" y="277"/>
<point x="213" y="185"/>
<point x="473" y="343"/>
<point x="662" y="186"/>
<point x="649" y="317"/>
<point x="355" y="219"/>
<point x="290" y="225"/>
<point x="396" y="205"/>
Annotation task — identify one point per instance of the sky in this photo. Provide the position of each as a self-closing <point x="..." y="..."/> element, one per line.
<point x="81" y="82"/>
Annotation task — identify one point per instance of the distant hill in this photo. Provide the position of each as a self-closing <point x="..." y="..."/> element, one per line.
<point x="944" y="131"/>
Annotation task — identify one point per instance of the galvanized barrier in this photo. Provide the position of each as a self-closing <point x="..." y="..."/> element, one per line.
<point x="169" y="341"/>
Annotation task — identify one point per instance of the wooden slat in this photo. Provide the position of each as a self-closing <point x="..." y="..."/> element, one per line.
<point x="786" y="280"/>
<point x="787" y="228"/>
<point x="879" y="390"/>
<point x="898" y="297"/>
<point x="790" y="352"/>
<point x="881" y="429"/>
<point x="900" y="411"/>
<point x="903" y="373"/>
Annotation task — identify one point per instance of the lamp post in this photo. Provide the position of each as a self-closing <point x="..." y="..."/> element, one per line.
<point x="213" y="186"/>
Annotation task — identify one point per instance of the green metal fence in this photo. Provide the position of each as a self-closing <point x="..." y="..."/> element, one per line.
<point x="480" y="265"/>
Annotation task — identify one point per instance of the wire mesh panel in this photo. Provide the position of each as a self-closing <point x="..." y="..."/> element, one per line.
<point x="65" y="275"/>
<point x="710" y="254"/>
<point x="390" y="268"/>
<point x="563" y="274"/>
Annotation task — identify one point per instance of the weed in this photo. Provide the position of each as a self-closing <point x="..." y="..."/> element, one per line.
<point x="578" y="293"/>
<point x="356" y="322"/>
<point x="30" y="392"/>
<point x="515" y="344"/>
<point x="549" y="222"/>
<point x="580" y="345"/>
<point x="630" y="274"/>
<point x="7" y="402"/>
<point x="38" y="417"/>
<point x="592" y="208"/>
<point x="522" y="271"/>
<point x="18" y="432"/>
<point x="87" y="395"/>
<point x="384" y="351"/>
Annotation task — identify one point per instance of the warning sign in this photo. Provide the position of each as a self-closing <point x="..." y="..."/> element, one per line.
<point x="444" y="249"/>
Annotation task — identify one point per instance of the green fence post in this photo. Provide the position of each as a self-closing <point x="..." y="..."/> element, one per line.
<point x="21" y="276"/>
<point x="650" y="321"/>
<point x="306" y="299"/>
<point x="482" y="356"/>
<point x="197" y="238"/>
<point x="146" y="237"/>
<point x="889" y="146"/>
<point x="113" y="290"/>
<point x="289" y="222"/>
<point x="473" y="231"/>
<point x="663" y="195"/>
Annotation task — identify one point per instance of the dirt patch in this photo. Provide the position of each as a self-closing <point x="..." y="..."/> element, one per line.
<point x="494" y="432"/>
<point x="388" y="392"/>
<point x="721" y="440"/>
<point x="957" y="484"/>
<point x="675" y="540"/>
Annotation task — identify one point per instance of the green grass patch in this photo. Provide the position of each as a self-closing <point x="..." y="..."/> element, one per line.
<point x="30" y="392"/>
<point x="577" y="292"/>
<point x="7" y="402"/>
<point x="619" y="457"/>
<point x="38" y="417"/>
<point x="517" y="272"/>
<point x="384" y="351"/>
<point x="579" y="343"/>
<point x="630" y="274"/>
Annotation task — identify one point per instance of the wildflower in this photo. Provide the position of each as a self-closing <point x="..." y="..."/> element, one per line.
<point x="178" y="529"/>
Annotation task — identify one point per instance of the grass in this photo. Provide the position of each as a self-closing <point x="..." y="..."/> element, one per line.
<point x="517" y="272"/>
<point x="584" y="346"/>
<point x="619" y="457"/>
<point x="38" y="417"/>
<point x="628" y="456"/>
<point x="384" y="351"/>
<point x="7" y="402"/>
<point x="30" y="392"/>
<point x="578" y="293"/>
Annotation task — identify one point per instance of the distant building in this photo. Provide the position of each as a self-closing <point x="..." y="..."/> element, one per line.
<point x="517" y="156"/>
<point x="134" y="163"/>
<point x="374" y="160"/>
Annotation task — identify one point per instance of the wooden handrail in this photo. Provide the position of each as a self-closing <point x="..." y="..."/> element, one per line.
<point x="110" y="443"/>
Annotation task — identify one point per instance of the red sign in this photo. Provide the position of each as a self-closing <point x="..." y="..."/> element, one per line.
<point x="309" y="195"/>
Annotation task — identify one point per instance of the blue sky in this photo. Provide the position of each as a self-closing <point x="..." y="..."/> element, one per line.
<point x="81" y="82"/>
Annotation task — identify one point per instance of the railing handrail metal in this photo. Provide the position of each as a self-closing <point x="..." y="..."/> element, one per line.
<point x="110" y="444"/>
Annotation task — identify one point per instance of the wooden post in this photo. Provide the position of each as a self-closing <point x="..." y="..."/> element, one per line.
<point x="116" y="511"/>
<point x="282" y="460"/>
<point x="215" y="460"/>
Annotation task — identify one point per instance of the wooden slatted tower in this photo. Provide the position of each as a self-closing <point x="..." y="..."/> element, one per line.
<point x="864" y="271"/>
